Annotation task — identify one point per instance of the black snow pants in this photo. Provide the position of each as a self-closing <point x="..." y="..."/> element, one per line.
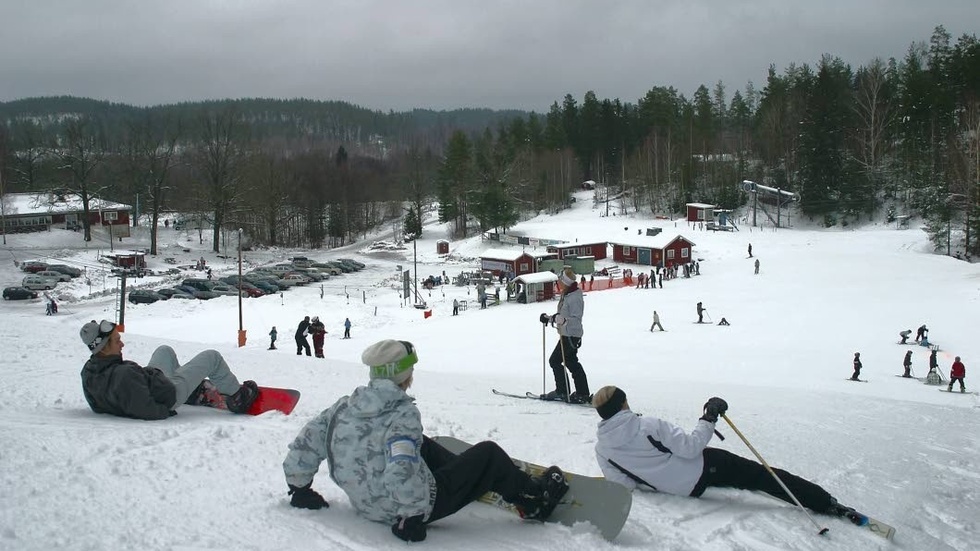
<point x="302" y="344"/>
<point x="567" y="350"/>
<point x="723" y="469"/>
<point x="462" y="479"/>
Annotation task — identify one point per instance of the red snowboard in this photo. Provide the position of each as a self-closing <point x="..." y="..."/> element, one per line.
<point x="269" y="399"/>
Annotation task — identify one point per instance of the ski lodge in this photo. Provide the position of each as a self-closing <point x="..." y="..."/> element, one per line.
<point x="503" y="261"/>
<point x="659" y="250"/>
<point x="594" y="248"/>
<point x="34" y="211"/>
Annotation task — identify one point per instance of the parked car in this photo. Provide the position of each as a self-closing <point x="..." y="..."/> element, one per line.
<point x="57" y="276"/>
<point x="299" y="278"/>
<point x="301" y="262"/>
<point x="327" y="268"/>
<point x="174" y="293"/>
<point x="33" y="266"/>
<point x="143" y="296"/>
<point x="225" y="290"/>
<point x="38" y="283"/>
<point x="357" y="264"/>
<point x="281" y="269"/>
<point x="345" y="268"/>
<point x="65" y="269"/>
<point x="18" y="293"/>
<point x="315" y="275"/>
<point x="199" y="284"/>
<point x="251" y="290"/>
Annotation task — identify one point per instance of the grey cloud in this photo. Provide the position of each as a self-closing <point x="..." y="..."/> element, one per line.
<point x="440" y="54"/>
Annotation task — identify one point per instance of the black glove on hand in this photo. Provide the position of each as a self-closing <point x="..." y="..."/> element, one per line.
<point x="545" y="319"/>
<point x="306" y="497"/>
<point x="409" y="529"/>
<point x="713" y="408"/>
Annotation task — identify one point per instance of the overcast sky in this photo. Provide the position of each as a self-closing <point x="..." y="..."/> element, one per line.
<point x="441" y="54"/>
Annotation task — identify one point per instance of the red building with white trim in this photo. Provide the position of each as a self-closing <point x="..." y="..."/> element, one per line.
<point x="666" y="249"/>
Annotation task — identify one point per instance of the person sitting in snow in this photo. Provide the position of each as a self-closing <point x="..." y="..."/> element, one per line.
<point x="392" y="473"/>
<point x="652" y="454"/>
<point x="124" y="388"/>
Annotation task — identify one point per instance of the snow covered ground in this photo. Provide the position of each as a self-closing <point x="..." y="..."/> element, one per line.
<point x="894" y="448"/>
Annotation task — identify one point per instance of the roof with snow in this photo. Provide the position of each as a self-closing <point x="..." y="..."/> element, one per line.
<point x="52" y="203"/>
<point x="538" y="277"/>
<point x="503" y="254"/>
<point x="701" y="205"/>
<point x="655" y="242"/>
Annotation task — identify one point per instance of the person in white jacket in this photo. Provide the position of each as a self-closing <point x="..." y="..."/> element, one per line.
<point x="652" y="454"/>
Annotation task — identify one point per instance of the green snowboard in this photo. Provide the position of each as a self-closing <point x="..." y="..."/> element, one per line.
<point x="601" y="503"/>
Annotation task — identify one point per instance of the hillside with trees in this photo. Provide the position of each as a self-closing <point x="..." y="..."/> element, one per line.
<point x="887" y="138"/>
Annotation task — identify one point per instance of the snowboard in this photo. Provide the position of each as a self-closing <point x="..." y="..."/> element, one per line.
<point x="603" y="504"/>
<point x="956" y="391"/>
<point x="269" y="399"/>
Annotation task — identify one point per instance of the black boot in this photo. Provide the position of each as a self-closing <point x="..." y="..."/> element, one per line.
<point x="551" y="487"/>
<point x="240" y="401"/>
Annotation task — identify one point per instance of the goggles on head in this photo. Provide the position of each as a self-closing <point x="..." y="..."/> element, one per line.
<point x="106" y="328"/>
<point x="391" y="369"/>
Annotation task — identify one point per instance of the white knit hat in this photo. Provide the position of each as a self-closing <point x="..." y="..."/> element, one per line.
<point x="567" y="277"/>
<point x="390" y="359"/>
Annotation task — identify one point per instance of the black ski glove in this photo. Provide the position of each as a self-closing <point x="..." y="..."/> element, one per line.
<point x="306" y="497"/>
<point x="545" y="319"/>
<point x="409" y="529"/>
<point x="713" y="408"/>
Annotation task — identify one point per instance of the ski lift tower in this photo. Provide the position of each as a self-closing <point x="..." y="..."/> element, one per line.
<point x="773" y="196"/>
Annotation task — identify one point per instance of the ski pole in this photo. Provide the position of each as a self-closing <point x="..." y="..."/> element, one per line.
<point x="821" y="530"/>
<point x="544" y="388"/>
<point x="561" y="344"/>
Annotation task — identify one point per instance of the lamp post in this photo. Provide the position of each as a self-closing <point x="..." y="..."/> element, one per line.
<point x="241" y="330"/>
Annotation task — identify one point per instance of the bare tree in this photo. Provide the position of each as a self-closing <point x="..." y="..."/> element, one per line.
<point x="81" y="152"/>
<point x="150" y="149"/>
<point x="873" y="109"/>
<point x="219" y="159"/>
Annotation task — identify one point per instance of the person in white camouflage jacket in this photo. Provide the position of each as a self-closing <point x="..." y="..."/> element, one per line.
<point x="375" y="451"/>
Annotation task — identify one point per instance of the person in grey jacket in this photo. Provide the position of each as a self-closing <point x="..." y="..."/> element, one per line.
<point x="124" y="388"/>
<point x="653" y="454"/>
<point x="392" y="473"/>
<point x="568" y="321"/>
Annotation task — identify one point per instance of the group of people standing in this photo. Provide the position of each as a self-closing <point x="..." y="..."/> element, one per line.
<point x="310" y="327"/>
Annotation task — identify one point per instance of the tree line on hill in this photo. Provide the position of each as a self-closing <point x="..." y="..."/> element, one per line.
<point x="888" y="138"/>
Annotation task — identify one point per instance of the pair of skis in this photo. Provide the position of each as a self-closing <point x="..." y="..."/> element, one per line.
<point x="533" y="396"/>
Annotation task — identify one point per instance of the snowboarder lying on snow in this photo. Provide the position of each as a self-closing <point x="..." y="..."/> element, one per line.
<point x="391" y="472"/>
<point x="650" y="453"/>
<point x="124" y="388"/>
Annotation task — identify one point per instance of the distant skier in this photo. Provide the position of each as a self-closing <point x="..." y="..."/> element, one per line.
<point x="347" y="325"/>
<point x="455" y="306"/>
<point x="957" y="373"/>
<point x="750" y="250"/>
<point x="273" y="335"/>
<point x="756" y="266"/>
<point x="905" y="336"/>
<point x="857" y="367"/>
<point x="656" y="322"/>
<point x="921" y="333"/>
<point x="723" y="322"/>
<point x="650" y="453"/>
<point x="907" y="363"/>
<point x="701" y="310"/>
<point x="933" y="361"/>
<point x="319" y="331"/>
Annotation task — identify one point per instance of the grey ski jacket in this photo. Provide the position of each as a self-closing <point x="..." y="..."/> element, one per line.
<point x="371" y="441"/>
<point x="571" y="307"/>
<point x="124" y="388"/>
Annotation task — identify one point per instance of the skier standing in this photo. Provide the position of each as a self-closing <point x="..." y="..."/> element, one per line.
<point x="701" y="310"/>
<point x="347" y="325"/>
<point x="757" y="266"/>
<point x="319" y="332"/>
<point x="957" y="373"/>
<point x="650" y="453"/>
<point x="750" y="250"/>
<point x="857" y="366"/>
<point x="921" y="333"/>
<point x="377" y="453"/>
<point x="126" y="389"/>
<point x="272" y="338"/>
<point x="568" y="321"/>
<point x="301" y="331"/>
<point x="907" y="363"/>
<point x="455" y="306"/>
<point x="933" y="361"/>
<point x="656" y="322"/>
